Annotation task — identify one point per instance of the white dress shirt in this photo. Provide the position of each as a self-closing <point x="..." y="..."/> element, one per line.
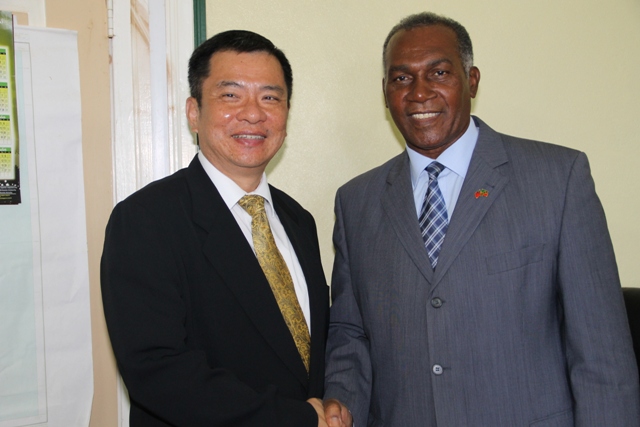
<point x="456" y="161"/>
<point x="231" y="193"/>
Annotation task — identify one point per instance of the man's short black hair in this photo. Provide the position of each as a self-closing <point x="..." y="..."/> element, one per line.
<point x="240" y="41"/>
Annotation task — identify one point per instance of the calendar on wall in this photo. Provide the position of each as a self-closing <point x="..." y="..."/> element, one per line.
<point x="9" y="146"/>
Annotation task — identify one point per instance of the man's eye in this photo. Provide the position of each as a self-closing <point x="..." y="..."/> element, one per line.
<point x="400" y="79"/>
<point x="441" y="73"/>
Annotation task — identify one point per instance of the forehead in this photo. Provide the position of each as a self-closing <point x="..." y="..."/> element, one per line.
<point x="423" y="42"/>
<point x="245" y="66"/>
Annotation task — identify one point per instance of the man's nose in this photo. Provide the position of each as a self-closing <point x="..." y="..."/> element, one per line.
<point x="421" y="91"/>
<point x="252" y="111"/>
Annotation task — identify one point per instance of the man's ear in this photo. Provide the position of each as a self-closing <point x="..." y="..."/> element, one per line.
<point x="474" y="81"/>
<point x="193" y="111"/>
<point x="384" y="93"/>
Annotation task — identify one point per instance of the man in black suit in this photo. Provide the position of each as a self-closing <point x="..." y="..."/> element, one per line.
<point x="202" y="310"/>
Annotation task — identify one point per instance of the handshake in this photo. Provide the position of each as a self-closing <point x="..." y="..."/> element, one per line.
<point x="331" y="413"/>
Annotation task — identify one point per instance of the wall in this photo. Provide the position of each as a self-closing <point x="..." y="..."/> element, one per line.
<point x="89" y="19"/>
<point x="564" y="72"/>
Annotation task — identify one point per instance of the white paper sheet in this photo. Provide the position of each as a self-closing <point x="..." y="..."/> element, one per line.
<point x="46" y="373"/>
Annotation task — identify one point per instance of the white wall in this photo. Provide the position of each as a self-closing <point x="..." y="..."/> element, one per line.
<point x="559" y="71"/>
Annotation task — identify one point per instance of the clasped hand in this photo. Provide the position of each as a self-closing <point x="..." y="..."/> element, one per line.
<point x="331" y="413"/>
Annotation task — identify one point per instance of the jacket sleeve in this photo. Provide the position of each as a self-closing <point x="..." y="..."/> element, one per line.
<point x="144" y="304"/>
<point x="602" y="368"/>
<point x="349" y="374"/>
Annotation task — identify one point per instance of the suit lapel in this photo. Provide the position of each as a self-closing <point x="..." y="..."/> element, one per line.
<point x="399" y="206"/>
<point x="228" y="252"/>
<point x="469" y="211"/>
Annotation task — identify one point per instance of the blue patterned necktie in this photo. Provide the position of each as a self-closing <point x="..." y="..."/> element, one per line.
<point x="433" y="216"/>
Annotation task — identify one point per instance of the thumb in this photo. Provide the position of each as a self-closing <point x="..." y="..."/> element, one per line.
<point x="332" y="412"/>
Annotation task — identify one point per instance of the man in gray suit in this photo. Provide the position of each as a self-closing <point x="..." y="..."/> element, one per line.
<point x="474" y="282"/>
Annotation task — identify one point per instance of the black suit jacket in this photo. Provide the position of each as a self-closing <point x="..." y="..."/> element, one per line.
<point x="196" y="331"/>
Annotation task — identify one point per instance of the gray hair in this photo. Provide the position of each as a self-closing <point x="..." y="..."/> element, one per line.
<point x="427" y="19"/>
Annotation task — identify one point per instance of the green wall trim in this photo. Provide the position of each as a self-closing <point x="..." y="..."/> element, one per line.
<point x="199" y="22"/>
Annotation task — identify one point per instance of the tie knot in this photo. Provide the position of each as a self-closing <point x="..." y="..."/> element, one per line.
<point x="434" y="170"/>
<point x="252" y="203"/>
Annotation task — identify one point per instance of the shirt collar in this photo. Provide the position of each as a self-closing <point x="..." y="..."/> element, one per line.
<point x="455" y="158"/>
<point x="231" y="192"/>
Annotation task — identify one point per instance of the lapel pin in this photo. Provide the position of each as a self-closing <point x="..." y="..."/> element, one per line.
<point x="482" y="193"/>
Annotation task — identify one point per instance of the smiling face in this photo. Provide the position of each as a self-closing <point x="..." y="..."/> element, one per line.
<point x="426" y="88"/>
<point x="242" y="119"/>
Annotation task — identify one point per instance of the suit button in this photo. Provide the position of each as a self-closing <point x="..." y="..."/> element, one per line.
<point x="436" y="302"/>
<point x="437" y="369"/>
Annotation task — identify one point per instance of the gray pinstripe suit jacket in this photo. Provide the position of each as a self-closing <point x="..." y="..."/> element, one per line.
<point x="521" y="324"/>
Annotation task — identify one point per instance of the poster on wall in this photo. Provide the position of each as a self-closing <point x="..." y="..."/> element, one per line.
<point x="22" y="365"/>
<point x="46" y="375"/>
<point x="9" y="147"/>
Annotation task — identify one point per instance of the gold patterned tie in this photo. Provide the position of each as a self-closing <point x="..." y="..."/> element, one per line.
<point x="277" y="273"/>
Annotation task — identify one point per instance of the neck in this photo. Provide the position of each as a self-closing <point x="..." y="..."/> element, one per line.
<point x="247" y="178"/>
<point x="247" y="183"/>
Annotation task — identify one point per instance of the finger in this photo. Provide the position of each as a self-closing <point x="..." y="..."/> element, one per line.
<point x="333" y="414"/>
<point x="347" y="419"/>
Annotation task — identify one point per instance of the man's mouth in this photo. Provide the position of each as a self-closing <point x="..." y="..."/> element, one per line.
<point x="247" y="136"/>
<point x="423" y="115"/>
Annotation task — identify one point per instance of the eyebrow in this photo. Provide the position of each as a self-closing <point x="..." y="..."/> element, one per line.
<point x="405" y="68"/>
<point x="275" y="88"/>
<point x="230" y="83"/>
<point x="439" y="61"/>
